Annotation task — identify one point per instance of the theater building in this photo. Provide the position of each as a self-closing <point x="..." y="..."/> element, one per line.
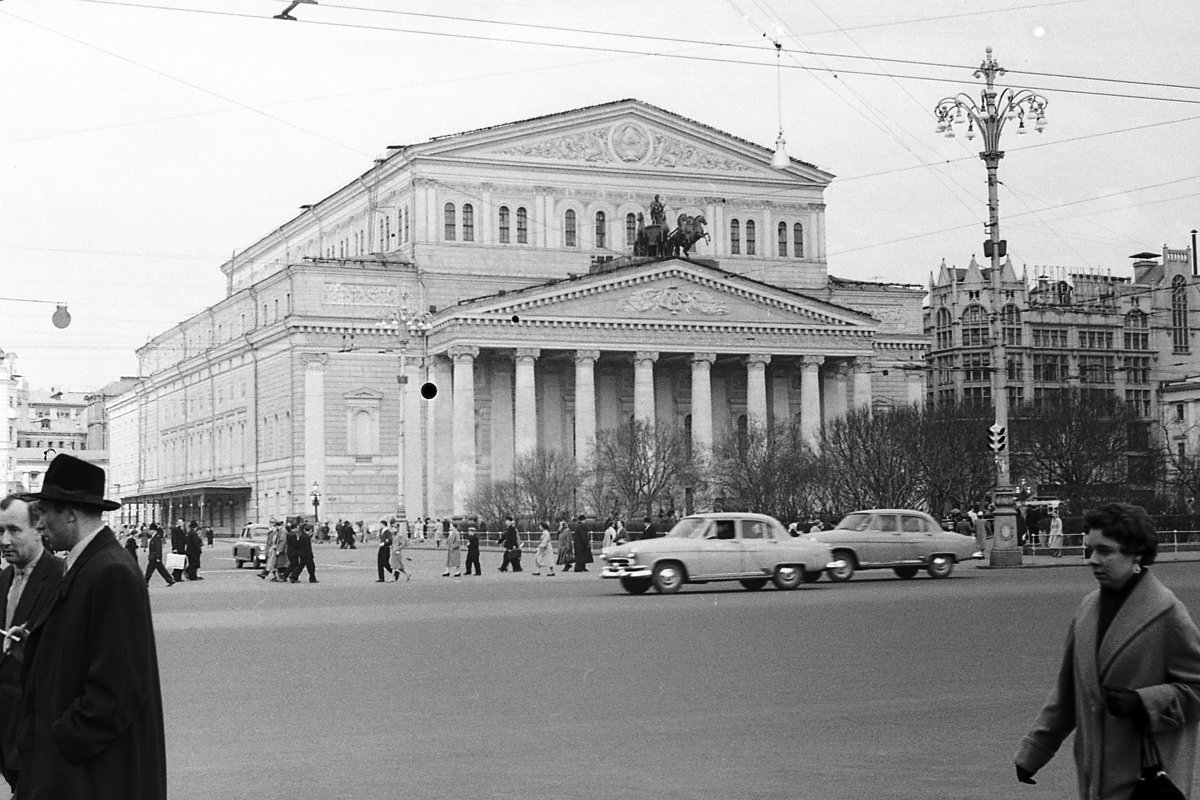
<point x="498" y="267"/>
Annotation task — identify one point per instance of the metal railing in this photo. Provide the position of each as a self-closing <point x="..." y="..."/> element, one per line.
<point x="1168" y="542"/>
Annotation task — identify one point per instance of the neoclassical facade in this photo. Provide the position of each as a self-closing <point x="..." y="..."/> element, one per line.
<point x="472" y="298"/>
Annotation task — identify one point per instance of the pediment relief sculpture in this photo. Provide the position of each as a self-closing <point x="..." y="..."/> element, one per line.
<point x="630" y="143"/>
<point x="674" y="299"/>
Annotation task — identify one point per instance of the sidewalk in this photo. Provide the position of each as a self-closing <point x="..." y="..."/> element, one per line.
<point x="1073" y="557"/>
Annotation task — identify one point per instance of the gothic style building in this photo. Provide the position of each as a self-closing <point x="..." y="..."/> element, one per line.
<point x="473" y="297"/>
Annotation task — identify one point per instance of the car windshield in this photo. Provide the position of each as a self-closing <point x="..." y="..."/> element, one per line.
<point x="688" y="527"/>
<point x="854" y="522"/>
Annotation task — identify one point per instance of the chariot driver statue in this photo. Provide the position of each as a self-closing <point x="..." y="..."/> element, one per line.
<point x="658" y="215"/>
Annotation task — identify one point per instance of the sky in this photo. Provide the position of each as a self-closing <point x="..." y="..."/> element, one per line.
<point x="144" y="142"/>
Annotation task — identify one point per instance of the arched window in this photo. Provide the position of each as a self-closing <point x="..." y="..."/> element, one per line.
<point x="1179" y="315"/>
<point x="503" y="224"/>
<point x="364" y="433"/>
<point x="783" y="240"/>
<point x="601" y="237"/>
<point x="630" y="230"/>
<point x="569" y="239"/>
<point x="750" y="237"/>
<point x="522" y="226"/>
<point x="735" y="237"/>
<point x="945" y="330"/>
<point x="450" y="223"/>
<point x="974" y="327"/>
<point x="468" y="222"/>
<point x="798" y="240"/>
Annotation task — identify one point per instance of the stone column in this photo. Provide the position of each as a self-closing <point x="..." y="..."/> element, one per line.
<point x="464" y="424"/>
<point x="413" y="441"/>
<point x="643" y="385"/>
<point x="810" y="399"/>
<point x="862" y="382"/>
<point x="525" y="416"/>
<point x="756" y="388"/>
<point x="585" y="405"/>
<point x="439" y="434"/>
<point x="836" y="394"/>
<point x="781" y="413"/>
<point x="314" y="421"/>
<point x="502" y="421"/>
<point x="702" y="409"/>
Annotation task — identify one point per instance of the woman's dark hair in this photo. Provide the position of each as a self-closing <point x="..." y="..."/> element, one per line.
<point x="1129" y="526"/>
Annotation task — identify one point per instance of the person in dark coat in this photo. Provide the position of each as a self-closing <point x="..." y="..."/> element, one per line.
<point x="650" y="530"/>
<point x="582" y="542"/>
<point x="291" y="547"/>
<point x="154" y="556"/>
<point x="131" y="546"/>
<point x="40" y="571"/>
<point x="383" y="558"/>
<point x="92" y="716"/>
<point x="193" y="546"/>
<point x="473" y="552"/>
<point x="178" y="545"/>
<point x="512" y="547"/>
<point x="304" y="556"/>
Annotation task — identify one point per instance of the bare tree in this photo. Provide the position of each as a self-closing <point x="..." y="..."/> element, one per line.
<point x="770" y="470"/>
<point x="1178" y="458"/>
<point x="868" y="460"/>
<point x="955" y="463"/>
<point x="643" y="465"/>
<point x="546" y="481"/>
<point x="1077" y="441"/>
<point x="496" y="500"/>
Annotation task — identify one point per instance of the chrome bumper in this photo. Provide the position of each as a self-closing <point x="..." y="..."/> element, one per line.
<point x="626" y="571"/>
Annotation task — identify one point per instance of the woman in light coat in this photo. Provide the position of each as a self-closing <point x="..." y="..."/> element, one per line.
<point x="1056" y="533"/>
<point x="1132" y="663"/>
<point x="544" y="556"/>
<point x="453" y="553"/>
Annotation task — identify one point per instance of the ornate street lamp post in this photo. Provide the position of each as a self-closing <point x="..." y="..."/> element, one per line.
<point x="315" y="497"/>
<point x="406" y="323"/>
<point x="989" y="116"/>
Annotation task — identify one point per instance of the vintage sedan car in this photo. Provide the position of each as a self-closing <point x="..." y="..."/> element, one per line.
<point x="750" y="548"/>
<point x="251" y="545"/>
<point x="894" y="538"/>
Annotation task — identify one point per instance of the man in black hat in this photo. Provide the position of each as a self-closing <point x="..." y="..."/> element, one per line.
<point x="92" y="716"/>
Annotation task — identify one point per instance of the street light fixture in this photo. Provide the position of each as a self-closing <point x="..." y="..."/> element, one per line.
<point x="405" y="322"/>
<point x="988" y="117"/>
<point x="315" y="496"/>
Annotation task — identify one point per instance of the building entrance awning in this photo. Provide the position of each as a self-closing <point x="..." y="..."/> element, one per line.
<point x="216" y="490"/>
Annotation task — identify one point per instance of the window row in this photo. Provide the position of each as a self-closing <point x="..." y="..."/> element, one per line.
<point x="782" y="231"/>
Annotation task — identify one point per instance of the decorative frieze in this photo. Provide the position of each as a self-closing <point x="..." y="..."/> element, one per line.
<point x="629" y="143"/>
<point x="674" y="299"/>
<point x="358" y="294"/>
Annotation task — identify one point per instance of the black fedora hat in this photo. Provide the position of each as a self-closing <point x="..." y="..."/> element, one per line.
<point x="75" y="482"/>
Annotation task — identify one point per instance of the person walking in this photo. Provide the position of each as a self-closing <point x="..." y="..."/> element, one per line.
<point x="304" y="555"/>
<point x="399" y="542"/>
<point x="473" y="551"/>
<point x="610" y="535"/>
<point x="383" y="557"/>
<point x="27" y="588"/>
<point x="92" y="715"/>
<point x="453" y="553"/>
<point x="178" y="546"/>
<point x="511" y="543"/>
<point x="154" y="556"/>
<point x="192" y="547"/>
<point x="1056" y="533"/>
<point x="583" y="544"/>
<point x="544" y="556"/>
<point x="622" y="535"/>
<point x="1130" y="669"/>
<point x="566" y="545"/>
<point x="131" y="547"/>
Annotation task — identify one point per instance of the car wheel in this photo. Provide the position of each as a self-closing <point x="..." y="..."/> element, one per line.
<point x="635" y="585"/>
<point x="668" y="577"/>
<point x="787" y="576"/>
<point x="905" y="572"/>
<point x="237" y="562"/>
<point x="940" y="567"/>
<point x="754" y="584"/>
<point x="844" y="571"/>
<point x="812" y="576"/>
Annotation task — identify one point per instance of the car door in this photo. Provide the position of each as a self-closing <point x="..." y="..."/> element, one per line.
<point x="917" y="538"/>
<point x="881" y="540"/>
<point x="760" y="547"/>
<point x="720" y="551"/>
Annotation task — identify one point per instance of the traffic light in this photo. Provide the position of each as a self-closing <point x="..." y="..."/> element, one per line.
<point x="997" y="438"/>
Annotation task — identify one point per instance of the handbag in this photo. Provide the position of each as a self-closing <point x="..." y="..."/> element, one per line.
<point x="175" y="561"/>
<point x="1154" y="783"/>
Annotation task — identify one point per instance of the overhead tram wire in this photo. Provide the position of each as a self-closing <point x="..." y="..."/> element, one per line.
<point x="676" y="56"/>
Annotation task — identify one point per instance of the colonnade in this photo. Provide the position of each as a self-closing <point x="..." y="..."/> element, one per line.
<point x="438" y="446"/>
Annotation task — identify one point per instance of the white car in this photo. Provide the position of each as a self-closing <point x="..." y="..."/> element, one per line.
<point x="899" y="539"/>
<point x="750" y="548"/>
<point x="251" y="545"/>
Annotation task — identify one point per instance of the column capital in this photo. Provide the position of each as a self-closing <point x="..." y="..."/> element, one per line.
<point x="314" y="360"/>
<point x="582" y="356"/>
<point x="645" y="355"/>
<point x="463" y="352"/>
<point x="697" y="359"/>
<point x="527" y="353"/>
<point x="757" y="359"/>
<point x="840" y="368"/>
<point x="864" y="363"/>
<point x="811" y="362"/>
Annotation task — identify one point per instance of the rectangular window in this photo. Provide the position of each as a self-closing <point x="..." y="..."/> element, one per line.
<point x="977" y="368"/>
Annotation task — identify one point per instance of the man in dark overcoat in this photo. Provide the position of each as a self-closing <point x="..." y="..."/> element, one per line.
<point x="193" y="546"/>
<point x="583" y="544"/>
<point x="178" y="545"/>
<point x="511" y="543"/>
<point x="92" y="716"/>
<point x="154" y="556"/>
<point x="27" y="587"/>
<point x="304" y="556"/>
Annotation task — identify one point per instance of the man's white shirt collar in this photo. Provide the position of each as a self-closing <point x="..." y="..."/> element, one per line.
<point x="79" y="547"/>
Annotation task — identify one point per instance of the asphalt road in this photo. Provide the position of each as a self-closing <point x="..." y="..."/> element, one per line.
<point x="515" y="686"/>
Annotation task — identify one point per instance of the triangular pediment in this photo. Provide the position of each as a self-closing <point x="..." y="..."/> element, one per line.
<point x="623" y="135"/>
<point x="363" y="394"/>
<point x="673" y="292"/>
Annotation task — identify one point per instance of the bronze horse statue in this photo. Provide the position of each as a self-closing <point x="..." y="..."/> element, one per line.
<point x="651" y="240"/>
<point x="688" y="231"/>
